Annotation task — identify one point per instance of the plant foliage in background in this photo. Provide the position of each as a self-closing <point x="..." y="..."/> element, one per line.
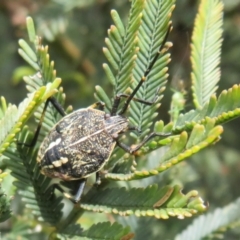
<point x="129" y="50"/>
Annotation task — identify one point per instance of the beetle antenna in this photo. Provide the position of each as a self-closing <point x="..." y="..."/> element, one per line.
<point x="144" y="77"/>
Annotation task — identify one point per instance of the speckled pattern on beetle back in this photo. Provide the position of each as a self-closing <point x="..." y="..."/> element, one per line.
<point x="79" y="144"/>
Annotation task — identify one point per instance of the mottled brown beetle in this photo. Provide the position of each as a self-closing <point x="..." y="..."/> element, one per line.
<point x="82" y="142"/>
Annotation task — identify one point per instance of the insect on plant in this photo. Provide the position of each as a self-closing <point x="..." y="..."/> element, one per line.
<point x="81" y="143"/>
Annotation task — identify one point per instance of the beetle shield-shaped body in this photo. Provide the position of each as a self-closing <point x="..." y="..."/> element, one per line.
<point x="80" y="144"/>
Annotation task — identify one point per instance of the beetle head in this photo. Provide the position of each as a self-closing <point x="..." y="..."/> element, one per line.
<point x="116" y="125"/>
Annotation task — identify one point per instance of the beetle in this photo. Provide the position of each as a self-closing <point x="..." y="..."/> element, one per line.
<point x="81" y="143"/>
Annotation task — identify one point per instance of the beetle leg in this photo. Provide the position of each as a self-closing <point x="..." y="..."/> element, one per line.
<point x="115" y="105"/>
<point x="151" y="135"/>
<point x="100" y="105"/>
<point x="134" y="128"/>
<point x="98" y="179"/>
<point x="76" y="198"/>
<point x="34" y="140"/>
<point x="56" y="186"/>
<point x="79" y="193"/>
<point x="124" y="147"/>
<point x="161" y="50"/>
<point x="117" y="100"/>
<point x="58" y="107"/>
<point x="132" y="150"/>
<point x="146" y="102"/>
<point x="60" y="189"/>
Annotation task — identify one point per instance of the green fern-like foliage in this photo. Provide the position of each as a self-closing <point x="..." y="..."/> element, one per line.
<point x="206" y="50"/>
<point x="5" y="211"/>
<point x="151" y="34"/>
<point x="104" y="230"/>
<point x="160" y="203"/>
<point x="180" y="148"/>
<point x="145" y="41"/>
<point x="222" y="109"/>
<point x="130" y="49"/>
<point x="14" y="117"/>
<point x="221" y="220"/>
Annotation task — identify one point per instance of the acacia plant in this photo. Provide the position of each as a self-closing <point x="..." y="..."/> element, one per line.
<point x="124" y="190"/>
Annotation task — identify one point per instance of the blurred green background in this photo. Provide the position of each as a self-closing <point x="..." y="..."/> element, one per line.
<point x="75" y="32"/>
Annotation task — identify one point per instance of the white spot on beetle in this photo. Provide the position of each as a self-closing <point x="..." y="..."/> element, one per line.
<point x="53" y="144"/>
<point x="60" y="162"/>
<point x="57" y="163"/>
<point x="47" y="166"/>
<point x="64" y="160"/>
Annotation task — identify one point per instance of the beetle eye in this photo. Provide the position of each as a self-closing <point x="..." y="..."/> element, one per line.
<point x="115" y="135"/>
<point x="107" y="116"/>
<point x="58" y="129"/>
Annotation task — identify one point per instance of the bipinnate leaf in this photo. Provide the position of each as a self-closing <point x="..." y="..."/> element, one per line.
<point x="15" y="117"/>
<point x="222" y="109"/>
<point x="206" y="225"/>
<point x="180" y="148"/>
<point x="206" y="50"/>
<point x="138" y="50"/>
<point x="151" y="201"/>
<point x="33" y="187"/>
<point x="152" y="32"/>
<point x="121" y="49"/>
<point x="121" y="52"/>
<point x="45" y="74"/>
<point x="104" y="230"/>
<point x="37" y="56"/>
